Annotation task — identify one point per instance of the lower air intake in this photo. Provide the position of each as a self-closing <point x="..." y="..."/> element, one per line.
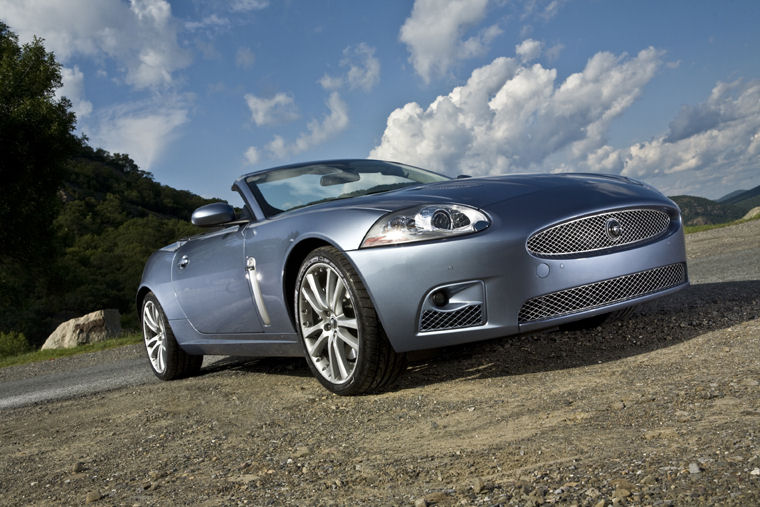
<point x="606" y="292"/>
<point x="468" y="316"/>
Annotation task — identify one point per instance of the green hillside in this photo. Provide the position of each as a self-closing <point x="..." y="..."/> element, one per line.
<point x="744" y="200"/>
<point x="112" y="216"/>
<point x="78" y="223"/>
<point x="701" y="211"/>
<point x="730" y="195"/>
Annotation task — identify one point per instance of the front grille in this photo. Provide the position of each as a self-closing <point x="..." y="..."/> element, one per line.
<point x="592" y="233"/>
<point x="593" y="295"/>
<point x="468" y="316"/>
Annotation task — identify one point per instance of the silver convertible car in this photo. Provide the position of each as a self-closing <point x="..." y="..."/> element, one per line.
<point x="354" y="263"/>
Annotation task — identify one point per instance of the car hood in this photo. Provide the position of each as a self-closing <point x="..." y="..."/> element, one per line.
<point x="484" y="192"/>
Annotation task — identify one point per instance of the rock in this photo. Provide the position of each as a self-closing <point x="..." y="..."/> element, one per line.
<point x="93" y="327"/>
<point x="435" y="497"/>
<point x="477" y="486"/>
<point x="694" y="468"/>
<point x="93" y="497"/>
<point x="621" y="493"/>
<point x="756" y="471"/>
<point x="682" y="416"/>
<point x="77" y="467"/>
<point x="600" y="503"/>
<point x="752" y="213"/>
<point x="618" y="405"/>
<point x="301" y="451"/>
<point x="420" y="502"/>
<point x="592" y="492"/>
<point x="623" y="484"/>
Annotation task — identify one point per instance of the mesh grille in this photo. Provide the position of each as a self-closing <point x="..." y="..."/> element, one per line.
<point x="434" y="320"/>
<point x="602" y="293"/>
<point x="592" y="233"/>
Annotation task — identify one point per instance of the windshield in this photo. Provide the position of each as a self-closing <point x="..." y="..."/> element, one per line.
<point x="288" y="188"/>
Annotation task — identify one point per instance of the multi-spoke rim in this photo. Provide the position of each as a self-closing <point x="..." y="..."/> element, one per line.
<point x="328" y="322"/>
<point x="154" y="332"/>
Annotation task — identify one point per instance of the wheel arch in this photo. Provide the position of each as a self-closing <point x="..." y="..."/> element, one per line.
<point x="295" y="258"/>
<point x="141" y="293"/>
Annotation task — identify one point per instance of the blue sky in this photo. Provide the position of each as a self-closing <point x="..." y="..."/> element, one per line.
<point x="201" y="92"/>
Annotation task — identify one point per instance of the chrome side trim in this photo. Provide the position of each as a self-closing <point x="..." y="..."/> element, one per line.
<point x="250" y="266"/>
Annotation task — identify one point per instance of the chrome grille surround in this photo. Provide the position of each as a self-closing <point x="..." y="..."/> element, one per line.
<point x="600" y="232"/>
<point x="597" y="294"/>
<point x="468" y="316"/>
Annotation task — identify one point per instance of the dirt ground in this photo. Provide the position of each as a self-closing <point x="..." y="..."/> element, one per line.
<point x="661" y="409"/>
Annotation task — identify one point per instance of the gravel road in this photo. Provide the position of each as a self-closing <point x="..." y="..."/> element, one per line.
<point x="661" y="409"/>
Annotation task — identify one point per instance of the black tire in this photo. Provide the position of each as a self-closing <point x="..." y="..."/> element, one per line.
<point x="166" y="358"/>
<point x="598" y="320"/>
<point x="344" y="344"/>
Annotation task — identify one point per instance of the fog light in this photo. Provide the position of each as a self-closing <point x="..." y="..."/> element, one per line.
<point x="439" y="298"/>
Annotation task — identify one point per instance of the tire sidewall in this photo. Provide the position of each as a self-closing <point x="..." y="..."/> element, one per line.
<point x="366" y="330"/>
<point x="169" y="340"/>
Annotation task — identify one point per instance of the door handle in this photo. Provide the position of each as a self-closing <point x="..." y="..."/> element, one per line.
<point x="183" y="262"/>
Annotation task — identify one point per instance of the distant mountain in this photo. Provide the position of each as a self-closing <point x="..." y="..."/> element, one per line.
<point x="701" y="211"/>
<point x="745" y="200"/>
<point x="730" y="195"/>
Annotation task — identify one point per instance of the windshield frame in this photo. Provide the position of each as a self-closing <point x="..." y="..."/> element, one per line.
<point x="255" y="182"/>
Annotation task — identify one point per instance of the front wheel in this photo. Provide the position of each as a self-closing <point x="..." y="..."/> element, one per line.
<point x="167" y="360"/>
<point x="344" y="344"/>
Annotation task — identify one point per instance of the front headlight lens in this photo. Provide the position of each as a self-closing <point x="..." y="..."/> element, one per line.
<point x="425" y="222"/>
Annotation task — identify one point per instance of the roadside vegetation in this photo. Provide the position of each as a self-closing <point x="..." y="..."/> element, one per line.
<point x="699" y="228"/>
<point x="33" y="356"/>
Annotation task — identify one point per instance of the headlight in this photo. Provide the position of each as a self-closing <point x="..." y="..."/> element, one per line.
<point x="421" y="223"/>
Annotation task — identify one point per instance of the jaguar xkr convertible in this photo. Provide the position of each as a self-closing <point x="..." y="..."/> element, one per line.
<point x="354" y="263"/>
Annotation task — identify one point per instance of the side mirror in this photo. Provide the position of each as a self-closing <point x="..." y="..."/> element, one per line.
<point x="216" y="213"/>
<point x="462" y="176"/>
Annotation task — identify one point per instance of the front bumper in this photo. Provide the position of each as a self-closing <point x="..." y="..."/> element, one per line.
<point x="400" y="280"/>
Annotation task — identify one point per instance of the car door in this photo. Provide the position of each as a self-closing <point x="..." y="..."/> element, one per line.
<point x="210" y="282"/>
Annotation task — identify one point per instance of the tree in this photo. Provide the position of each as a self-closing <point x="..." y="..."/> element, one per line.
<point x="36" y="141"/>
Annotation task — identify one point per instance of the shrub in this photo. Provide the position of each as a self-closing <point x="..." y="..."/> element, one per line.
<point x="13" y="344"/>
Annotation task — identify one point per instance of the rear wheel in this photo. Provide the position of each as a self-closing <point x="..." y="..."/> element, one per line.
<point x="167" y="360"/>
<point x="344" y="345"/>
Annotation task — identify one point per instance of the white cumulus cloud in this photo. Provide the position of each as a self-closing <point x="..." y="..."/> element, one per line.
<point x="434" y="34"/>
<point x="529" y="50"/>
<point x="141" y="37"/>
<point x="140" y="129"/>
<point x="73" y="89"/>
<point x="709" y="147"/>
<point x="363" y="69"/>
<point x="317" y="132"/>
<point x="269" y="111"/>
<point x="513" y="117"/>
<point x="252" y="155"/>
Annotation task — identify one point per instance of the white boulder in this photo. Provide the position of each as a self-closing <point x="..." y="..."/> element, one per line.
<point x="93" y="327"/>
<point x="752" y="213"/>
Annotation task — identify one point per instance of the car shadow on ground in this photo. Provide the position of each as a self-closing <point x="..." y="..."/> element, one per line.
<point x="654" y="325"/>
<point x="290" y="366"/>
<point x="658" y="324"/>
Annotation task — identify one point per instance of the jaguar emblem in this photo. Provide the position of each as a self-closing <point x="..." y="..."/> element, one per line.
<point x="614" y="229"/>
